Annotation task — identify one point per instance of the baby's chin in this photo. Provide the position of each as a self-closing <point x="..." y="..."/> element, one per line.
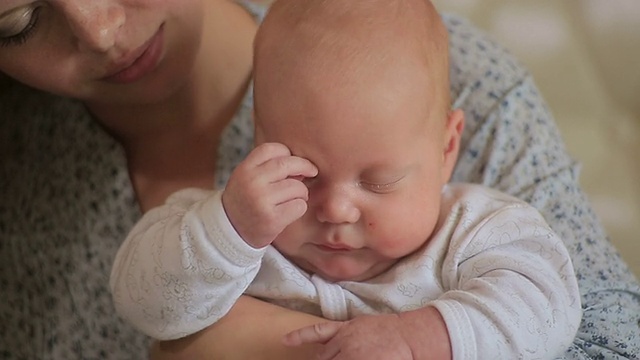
<point x="348" y="273"/>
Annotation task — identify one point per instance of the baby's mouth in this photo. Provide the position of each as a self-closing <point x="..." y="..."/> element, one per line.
<point x="334" y="247"/>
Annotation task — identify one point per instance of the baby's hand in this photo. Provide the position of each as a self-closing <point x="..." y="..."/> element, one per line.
<point x="265" y="193"/>
<point x="365" y="337"/>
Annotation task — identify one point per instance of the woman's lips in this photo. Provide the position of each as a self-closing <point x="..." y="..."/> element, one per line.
<point x="148" y="56"/>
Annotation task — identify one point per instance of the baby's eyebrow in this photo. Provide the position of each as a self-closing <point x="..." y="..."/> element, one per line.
<point x="387" y="172"/>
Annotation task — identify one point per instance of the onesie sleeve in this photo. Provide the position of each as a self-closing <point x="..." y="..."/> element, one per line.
<point x="510" y="289"/>
<point x="182" y="267"/>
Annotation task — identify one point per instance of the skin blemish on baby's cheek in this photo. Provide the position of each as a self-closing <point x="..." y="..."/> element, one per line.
<point x="372" y="225"/>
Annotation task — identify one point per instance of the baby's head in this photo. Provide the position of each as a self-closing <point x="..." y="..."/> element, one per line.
<point x="361" y="89"/>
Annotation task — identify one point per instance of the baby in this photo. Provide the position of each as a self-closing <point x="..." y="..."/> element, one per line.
<point x="343" y="209"/>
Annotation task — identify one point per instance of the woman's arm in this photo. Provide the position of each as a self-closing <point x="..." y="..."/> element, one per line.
<point x="253" y="329"/>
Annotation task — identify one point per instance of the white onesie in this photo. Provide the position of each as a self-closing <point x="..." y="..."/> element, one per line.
<point x="501" y="279"/>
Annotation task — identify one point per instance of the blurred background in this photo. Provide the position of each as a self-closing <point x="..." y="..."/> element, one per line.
<point x="585" y="58"/>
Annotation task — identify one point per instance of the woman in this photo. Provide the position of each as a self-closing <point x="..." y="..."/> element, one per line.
<point x="162" y="102"/>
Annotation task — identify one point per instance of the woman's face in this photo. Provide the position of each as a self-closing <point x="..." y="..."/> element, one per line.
<point x="120" y="51"/>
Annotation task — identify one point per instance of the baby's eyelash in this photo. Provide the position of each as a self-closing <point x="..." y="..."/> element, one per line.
<point x="381" y="188"/>
<point x="23" y="36"/>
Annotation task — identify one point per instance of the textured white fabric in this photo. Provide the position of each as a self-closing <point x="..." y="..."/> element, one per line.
<point x="501" y="279"/>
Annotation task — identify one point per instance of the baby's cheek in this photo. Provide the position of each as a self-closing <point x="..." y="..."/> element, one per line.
<point x="396" y="243"/>
<point x="392" y="247"/>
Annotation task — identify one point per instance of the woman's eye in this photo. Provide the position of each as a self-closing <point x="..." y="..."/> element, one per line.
<point x="17" y="25"/>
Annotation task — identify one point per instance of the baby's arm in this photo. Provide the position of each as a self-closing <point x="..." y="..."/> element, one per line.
<point x="510" y="288"/>
<point x="175" y="273"/>
<point x="185" y="264"/>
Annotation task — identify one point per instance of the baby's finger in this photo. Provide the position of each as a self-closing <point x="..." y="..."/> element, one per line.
<point x="317" y="333"/>
<point x="265" y="152"/>
<point x="286" y="190"/>
<point x="295" y="167"/>
<point x="290" y="211"/>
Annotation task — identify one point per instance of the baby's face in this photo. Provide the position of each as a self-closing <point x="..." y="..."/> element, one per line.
<point x="380" y="155"/>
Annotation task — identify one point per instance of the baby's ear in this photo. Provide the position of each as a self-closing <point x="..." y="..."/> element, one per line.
<point x="453" y="134"/>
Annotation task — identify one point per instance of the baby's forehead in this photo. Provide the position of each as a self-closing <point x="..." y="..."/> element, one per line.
<point x="335" y="34"/>
<point x="347" y="48"/>
<point x="376" y="21"/>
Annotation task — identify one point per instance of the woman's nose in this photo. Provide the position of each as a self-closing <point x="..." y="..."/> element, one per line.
<point x="335" y="206"/>
<point x="94" y="23"/>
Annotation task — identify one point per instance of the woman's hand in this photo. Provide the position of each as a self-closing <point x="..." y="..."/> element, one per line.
<point x="265" y="193"/>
